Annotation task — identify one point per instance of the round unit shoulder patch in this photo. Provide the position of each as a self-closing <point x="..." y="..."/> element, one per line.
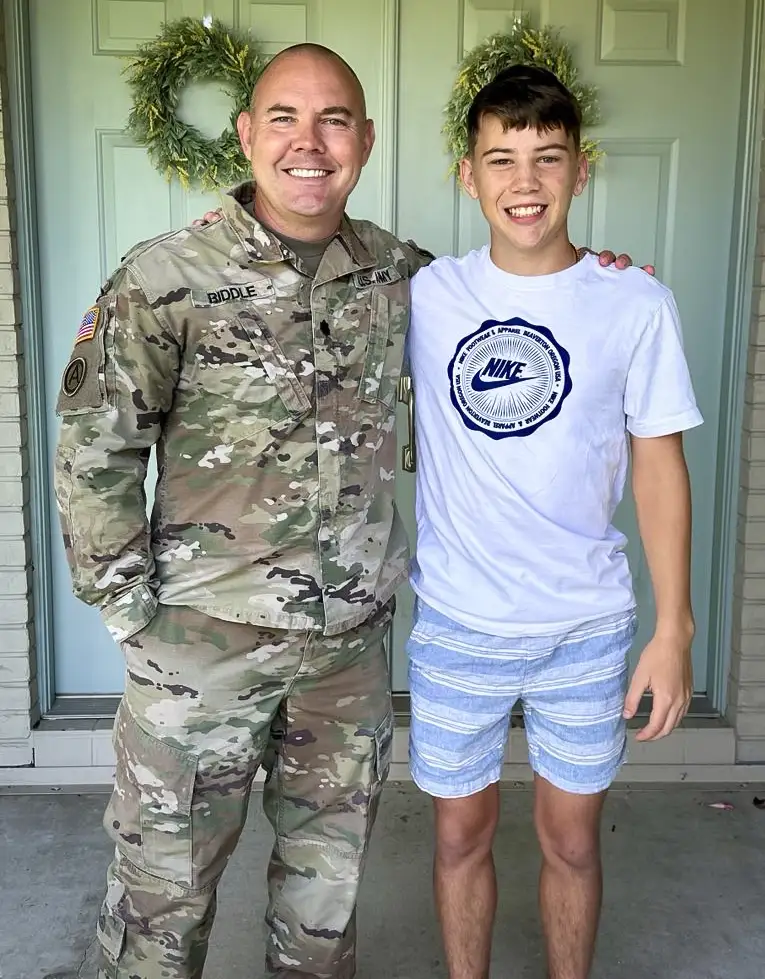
<point x="74" y="377"/>
<point x="509" y="378"/>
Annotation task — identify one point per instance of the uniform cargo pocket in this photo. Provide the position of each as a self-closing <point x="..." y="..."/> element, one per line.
<point x="371" y="387"/>
<point x="384" y="748"/>
<point x="111" y="936"/>
<point x="383" y="755"/>
<point x="388" y="323"/>
<point x="149" y="814"/>
<point x="277" y="366"/>
<point x="248" y="384"/>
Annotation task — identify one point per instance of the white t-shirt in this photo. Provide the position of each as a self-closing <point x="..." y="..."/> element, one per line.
<point x="525" y="389"/>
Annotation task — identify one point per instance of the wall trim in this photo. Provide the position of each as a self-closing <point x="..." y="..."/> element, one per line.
<point x="514" y="776"/>
<point x="737" y="322"/>
<point x="389" y="115"/>
<point x="18" y="48"/>
<point x="690" y="755"/>
<point x="457" y="191"/>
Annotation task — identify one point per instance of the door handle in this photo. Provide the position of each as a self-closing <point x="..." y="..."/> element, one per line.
<point x="409" y="451"/>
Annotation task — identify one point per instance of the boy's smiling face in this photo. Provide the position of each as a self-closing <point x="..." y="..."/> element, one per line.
<point x="525" y="180"/>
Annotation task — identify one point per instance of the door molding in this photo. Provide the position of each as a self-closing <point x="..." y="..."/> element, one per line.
<point x="737" y="330"/>
<point x="19" y="67"/>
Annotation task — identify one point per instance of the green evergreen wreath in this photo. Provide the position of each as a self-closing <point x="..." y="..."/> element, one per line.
<point x="189" y="50"/>
<point x="520" y="45"/>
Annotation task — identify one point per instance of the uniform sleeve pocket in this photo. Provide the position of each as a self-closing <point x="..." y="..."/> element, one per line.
<point x="83" y="387"/>
<point x="62" y="483"/>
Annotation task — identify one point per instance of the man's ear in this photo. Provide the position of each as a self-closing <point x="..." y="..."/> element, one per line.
<point x="467" y="177"/>
<point x="244" y="128"/>
<point x="369" y="141"/>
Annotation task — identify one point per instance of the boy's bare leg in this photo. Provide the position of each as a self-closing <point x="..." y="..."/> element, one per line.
<point x="571" y="882"/>
<point x="464" y="880"/>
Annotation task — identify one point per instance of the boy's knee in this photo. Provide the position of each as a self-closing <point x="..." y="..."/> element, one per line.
<point x="465" y="828"/>
<point x="573" y="846"/>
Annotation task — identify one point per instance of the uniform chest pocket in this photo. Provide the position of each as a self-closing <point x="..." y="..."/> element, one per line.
<point x="388" y="323"/>
<point x="245" y="381"/>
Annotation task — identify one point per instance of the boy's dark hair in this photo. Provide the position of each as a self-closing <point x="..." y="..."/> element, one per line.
<point x="526" y="97"/>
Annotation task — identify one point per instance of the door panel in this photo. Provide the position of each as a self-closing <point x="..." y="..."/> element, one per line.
<point x="98" y="194"/>
<point x="669" y="75"/>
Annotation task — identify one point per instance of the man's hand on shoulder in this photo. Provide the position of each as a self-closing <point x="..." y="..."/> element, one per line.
<point x="210" y="217"/>
<point x="607" y="257"/>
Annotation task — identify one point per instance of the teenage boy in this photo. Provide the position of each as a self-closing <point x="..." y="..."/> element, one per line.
<point x="537" y="377"/>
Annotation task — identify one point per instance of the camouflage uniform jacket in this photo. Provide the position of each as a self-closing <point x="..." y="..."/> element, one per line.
<point x="270" y="397"/>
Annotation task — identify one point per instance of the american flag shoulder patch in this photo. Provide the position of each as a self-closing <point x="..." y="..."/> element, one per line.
<point x="89" y="325"/>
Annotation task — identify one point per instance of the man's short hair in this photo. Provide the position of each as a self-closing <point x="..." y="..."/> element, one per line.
<point x="526" y="97"/>
<point x="319" y="50"/>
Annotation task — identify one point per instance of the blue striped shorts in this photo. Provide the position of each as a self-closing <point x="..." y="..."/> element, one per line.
<point x="464" y="684"/>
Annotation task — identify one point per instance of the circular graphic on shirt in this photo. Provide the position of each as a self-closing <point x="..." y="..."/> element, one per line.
<point x="509" y="378"/>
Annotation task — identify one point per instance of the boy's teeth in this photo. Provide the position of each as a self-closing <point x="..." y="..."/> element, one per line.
<point x="295" y="172"/>
<point x="526" y="212"/>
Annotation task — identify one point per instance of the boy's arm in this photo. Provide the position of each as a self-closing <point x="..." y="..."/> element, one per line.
<point x="662" y="493"/>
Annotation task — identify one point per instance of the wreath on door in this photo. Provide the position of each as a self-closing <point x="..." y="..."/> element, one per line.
<point x="521" y="45"/>
<point x="185" y="51"/>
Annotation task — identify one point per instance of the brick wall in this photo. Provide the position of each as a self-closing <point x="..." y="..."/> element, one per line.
<point x="746" y="696"/>
<point x="18" y="687"/>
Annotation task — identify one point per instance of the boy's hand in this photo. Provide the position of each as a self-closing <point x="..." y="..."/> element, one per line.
<point x="607" y="257"/>
<point x="664" y="668"/>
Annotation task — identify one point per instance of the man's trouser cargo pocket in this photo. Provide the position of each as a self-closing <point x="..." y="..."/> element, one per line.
<point x="111" y="935"/>
<point x="149" y="814"/>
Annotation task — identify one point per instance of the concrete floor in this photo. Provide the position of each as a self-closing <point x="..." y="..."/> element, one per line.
<point x="685" y="894"/>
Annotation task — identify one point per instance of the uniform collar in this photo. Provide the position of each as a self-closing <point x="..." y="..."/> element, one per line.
<point x="345" y="254"/>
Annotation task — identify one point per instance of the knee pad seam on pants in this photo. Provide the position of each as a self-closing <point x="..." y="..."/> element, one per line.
<point x="319" y="844"/>
<point x="177" y="889"/>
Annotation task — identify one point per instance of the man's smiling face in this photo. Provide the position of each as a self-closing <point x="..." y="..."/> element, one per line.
<point x="525" y="180"/>
<point x="308" y="138"/>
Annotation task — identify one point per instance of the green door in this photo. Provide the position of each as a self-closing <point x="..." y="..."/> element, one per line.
<point x="669" y="75"/>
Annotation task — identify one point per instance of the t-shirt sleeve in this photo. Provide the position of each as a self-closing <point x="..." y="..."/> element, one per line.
<point x="659" y="398"/>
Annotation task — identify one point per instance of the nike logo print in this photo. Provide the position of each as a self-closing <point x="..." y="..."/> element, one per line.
<point x="498" y="373"/>
<point x="480" y="384"/>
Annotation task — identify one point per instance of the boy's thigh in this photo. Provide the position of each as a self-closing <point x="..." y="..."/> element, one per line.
<point x="463" y="685"/>
<point x="573" y="705"/>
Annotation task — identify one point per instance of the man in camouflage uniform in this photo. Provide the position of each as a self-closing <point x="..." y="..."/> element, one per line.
<point x="260" y="355"/>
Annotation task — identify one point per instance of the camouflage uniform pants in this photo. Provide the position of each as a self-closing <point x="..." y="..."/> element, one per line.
<point x="206" y="704"/>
